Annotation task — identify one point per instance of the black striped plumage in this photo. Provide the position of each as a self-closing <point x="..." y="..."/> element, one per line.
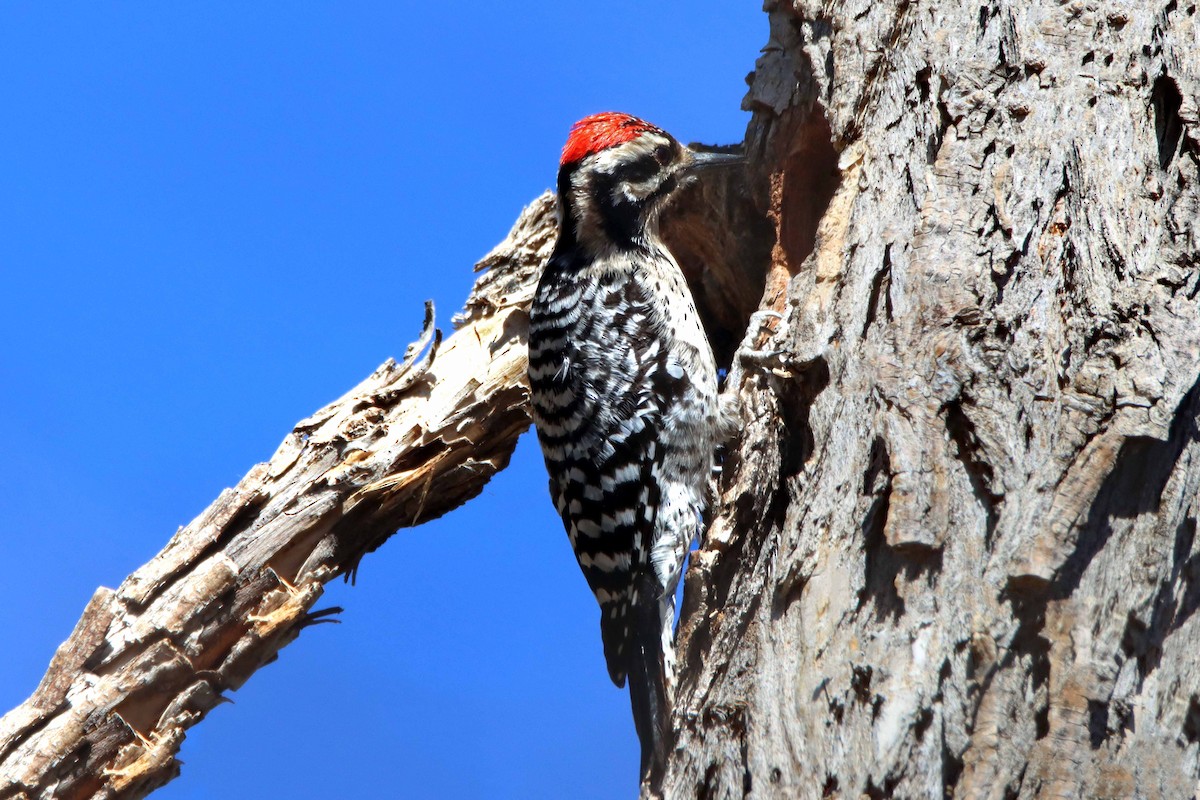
<point x="599" y="384"/>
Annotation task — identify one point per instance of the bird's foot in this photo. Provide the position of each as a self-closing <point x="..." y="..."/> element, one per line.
<point x="751" y="355"/>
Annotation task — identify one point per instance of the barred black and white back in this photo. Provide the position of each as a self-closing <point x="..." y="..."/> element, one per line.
<point x="605" y="390"/>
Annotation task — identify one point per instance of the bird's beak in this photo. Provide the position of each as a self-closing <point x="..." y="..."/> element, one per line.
<point x="702" y="162"/>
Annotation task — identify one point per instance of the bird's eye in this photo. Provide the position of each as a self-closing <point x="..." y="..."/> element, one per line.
<point x="663" y="154"/>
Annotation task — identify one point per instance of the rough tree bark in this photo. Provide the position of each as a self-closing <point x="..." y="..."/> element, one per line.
<point x="955" y="553"/>
<point x="954" y="547"/>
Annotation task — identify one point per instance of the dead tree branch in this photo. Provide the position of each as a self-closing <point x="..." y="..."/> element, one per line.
<point x="412" y="441"/>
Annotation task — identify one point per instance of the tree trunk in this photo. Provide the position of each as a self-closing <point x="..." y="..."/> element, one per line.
<point x="955" y="549"/>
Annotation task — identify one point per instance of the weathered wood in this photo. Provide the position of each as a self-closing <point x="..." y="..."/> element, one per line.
<point x="410" y="442"/>
<point x="955" y="553"/>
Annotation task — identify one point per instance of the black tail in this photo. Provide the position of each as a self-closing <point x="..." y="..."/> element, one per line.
<point x="647" y="681"/>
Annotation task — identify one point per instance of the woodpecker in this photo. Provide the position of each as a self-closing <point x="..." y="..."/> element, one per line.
<point x="625" y="401"/>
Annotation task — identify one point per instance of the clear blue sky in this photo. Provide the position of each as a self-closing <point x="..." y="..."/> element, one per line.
<point x="218" y="217"/>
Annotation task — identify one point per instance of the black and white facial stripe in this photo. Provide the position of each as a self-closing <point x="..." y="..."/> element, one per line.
<point x="618" y="192"/>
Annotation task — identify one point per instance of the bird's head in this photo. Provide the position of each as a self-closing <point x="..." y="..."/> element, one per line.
<point x="617" y="173"/>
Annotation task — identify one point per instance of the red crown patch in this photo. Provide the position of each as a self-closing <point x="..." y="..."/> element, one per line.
<point x="601" y="131"/>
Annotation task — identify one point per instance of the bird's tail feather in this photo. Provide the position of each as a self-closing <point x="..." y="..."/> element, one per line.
<point x="648" y="681"/>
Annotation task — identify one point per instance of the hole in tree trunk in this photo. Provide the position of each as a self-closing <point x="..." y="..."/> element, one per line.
<point x="1166" y="100"/>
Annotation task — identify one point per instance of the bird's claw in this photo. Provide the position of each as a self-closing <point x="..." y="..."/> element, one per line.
<point x="749" y="352"/>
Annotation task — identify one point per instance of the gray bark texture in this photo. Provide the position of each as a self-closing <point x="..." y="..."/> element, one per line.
<point x="952" y="551"/>
<point x="955" y="551"/>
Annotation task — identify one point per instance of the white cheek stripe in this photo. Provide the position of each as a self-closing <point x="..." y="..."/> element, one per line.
<point x="607" y="161"/>
<point x="590" y="226"/>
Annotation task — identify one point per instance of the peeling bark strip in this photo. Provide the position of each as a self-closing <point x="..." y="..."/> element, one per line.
<point x="409" y="443"/>
<point x="956" y="550"/>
